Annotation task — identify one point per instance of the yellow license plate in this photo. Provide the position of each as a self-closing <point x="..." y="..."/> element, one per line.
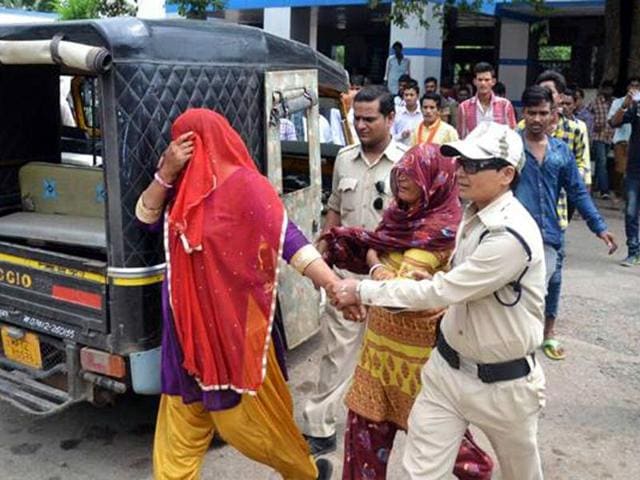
<point x="25" y="350"/>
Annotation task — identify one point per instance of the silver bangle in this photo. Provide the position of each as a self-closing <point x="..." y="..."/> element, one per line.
<point x="374" y="267"/>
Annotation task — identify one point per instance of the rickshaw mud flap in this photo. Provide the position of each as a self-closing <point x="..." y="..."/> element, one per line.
<point x="31" y="396"/>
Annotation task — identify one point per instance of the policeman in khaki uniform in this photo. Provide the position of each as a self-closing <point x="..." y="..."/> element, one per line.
<point x="485" y="372"/>
<point x="360" y="194"/>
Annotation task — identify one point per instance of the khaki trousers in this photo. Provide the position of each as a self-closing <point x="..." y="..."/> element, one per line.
<point x="507" y="412"/>
<point x="342" y="342"/>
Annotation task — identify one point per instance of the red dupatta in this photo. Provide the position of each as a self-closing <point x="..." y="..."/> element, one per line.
<point x="429" y="225"/>
<point x="225" y="232"/>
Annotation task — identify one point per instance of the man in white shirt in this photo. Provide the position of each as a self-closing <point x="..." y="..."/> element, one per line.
<point x="484" y="371"/>
<point x="623" y="132"/>
<point x="397" y="66"/>
<point x="409" y="116"/>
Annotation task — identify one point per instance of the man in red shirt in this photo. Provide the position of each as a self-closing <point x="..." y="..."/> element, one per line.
<point x="485" y="106"/>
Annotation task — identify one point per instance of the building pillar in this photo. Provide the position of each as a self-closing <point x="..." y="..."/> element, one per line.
<point x="232" y="16"/>
<point x="514" y="52"/>
<point x="151" y="9"/>
<point x="313" y="27"/>
<point x="277" y="21"/>
<point x="423" y="46"/>
<point x="292" y="23"/>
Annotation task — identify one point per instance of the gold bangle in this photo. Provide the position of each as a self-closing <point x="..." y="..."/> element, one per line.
<point x="304" y="257"/>
<point x="146" y="207"/>
<point x="146" y="214"/>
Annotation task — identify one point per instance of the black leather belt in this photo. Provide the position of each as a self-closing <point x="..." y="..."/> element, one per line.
<point x="488" y="372"/>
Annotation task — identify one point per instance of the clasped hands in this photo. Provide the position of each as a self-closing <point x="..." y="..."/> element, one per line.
<point x="345" y="296"/>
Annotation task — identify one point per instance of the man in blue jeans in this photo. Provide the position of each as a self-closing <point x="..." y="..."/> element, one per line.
<point x="549" y="167"/>
<point x="629" y="112"/>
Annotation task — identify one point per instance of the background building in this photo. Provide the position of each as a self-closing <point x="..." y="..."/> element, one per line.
<point x="567" y="36"/>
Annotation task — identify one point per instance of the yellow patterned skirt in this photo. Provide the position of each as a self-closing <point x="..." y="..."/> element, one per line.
<point x="387" y="378"/>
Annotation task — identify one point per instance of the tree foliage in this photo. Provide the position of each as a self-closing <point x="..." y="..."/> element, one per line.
<point x="84" y="9"/>
<point x="36" y="5"/>
<point x="77" y="9"/>
<point x="402" y="10"/>
<point x="197" y="9"/>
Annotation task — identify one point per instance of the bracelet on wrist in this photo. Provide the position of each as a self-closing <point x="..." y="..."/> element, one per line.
<point x="374" y="268"/>
<point x="161" y="181"/>
<point x="149" y="209"/>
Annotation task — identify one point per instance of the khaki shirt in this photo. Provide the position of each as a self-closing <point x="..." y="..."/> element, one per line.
<point x="354" y="192"/>
<point x="476" y="324"/>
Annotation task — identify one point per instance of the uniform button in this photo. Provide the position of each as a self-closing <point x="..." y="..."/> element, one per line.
<point x="529" y="378"/>
<point x="460" y="332"/>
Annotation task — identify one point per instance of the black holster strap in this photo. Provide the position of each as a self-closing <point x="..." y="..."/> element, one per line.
<point x="488" y="372"/>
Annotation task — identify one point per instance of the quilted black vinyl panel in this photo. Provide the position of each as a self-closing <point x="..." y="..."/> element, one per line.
<point x="149" y="97"/>
<point x="9" y="188"/>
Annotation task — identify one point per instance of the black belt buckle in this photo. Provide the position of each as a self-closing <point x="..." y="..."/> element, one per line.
<point x="487" y="372"/>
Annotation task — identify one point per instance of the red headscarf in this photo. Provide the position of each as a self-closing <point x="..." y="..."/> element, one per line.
<point x="225" y="231"/>
<point x="431" y="224"/>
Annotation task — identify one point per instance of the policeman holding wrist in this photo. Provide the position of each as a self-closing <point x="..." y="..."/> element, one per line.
<point x="485" y="372"/>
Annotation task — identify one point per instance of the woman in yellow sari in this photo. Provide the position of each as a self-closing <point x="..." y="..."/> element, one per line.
<point x="416" y="234"/>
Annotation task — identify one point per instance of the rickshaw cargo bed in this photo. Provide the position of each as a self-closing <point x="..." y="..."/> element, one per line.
<point x="52" y="293"/>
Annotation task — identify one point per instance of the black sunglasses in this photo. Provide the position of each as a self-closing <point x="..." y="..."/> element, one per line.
<point x="378" y="203"/>
<point x="471" y="166"/>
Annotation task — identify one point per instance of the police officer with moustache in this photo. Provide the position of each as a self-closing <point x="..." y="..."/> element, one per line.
<point x="360" y="192"/>
<point x="484" y="372"/>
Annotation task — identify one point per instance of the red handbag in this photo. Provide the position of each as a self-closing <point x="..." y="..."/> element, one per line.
<point x="472" y="463"/>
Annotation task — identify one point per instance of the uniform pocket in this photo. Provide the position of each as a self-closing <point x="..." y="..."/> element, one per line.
<point x="347" y="188"/>
<point x="515" y="400"/>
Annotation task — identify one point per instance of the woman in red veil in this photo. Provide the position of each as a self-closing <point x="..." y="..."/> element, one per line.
<point x="222" y="371"/>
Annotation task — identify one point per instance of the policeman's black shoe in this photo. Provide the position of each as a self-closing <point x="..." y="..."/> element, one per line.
<point x="325" y="469"/>
<point x="321" y="445"/>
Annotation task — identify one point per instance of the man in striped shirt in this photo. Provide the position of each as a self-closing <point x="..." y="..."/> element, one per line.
<point x="602" y="136"/>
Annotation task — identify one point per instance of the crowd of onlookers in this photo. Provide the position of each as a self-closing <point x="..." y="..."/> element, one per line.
<point x="602" y="147"/>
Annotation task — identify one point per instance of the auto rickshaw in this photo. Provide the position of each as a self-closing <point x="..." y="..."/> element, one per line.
<point x="87" y="109"/>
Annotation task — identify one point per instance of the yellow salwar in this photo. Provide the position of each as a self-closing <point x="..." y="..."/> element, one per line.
<point x="261" y="427"/>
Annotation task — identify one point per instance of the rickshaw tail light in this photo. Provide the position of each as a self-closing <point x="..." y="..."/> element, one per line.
<point x="105" y="363"/>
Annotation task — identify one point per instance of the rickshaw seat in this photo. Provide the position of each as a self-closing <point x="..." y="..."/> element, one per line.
<point x="66" y="229"/>
<point x="61" y="204"/>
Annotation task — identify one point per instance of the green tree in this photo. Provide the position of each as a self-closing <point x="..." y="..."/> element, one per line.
<point x="85" y="9"/>
<point x="77" y="9"/>
<point x="197" y="9"/>
<point x="36" y="5"/>
<point x="622" y="41"/>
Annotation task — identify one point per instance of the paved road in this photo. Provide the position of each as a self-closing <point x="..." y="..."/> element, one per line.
<point x="590" y="429"/>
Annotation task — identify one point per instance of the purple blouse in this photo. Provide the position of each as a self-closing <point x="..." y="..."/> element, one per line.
<point x="175" y="379"/>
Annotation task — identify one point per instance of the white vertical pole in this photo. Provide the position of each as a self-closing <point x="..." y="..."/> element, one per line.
<point x="277" y="20"/>
<point x="313" y="27"/>
<point x="514" y="51"/>
<point x="151" y="9"/>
